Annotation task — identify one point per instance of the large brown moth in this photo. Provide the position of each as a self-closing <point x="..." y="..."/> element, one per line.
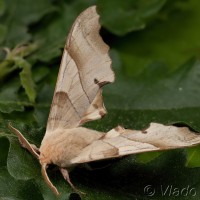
<point x="85" y="69"/>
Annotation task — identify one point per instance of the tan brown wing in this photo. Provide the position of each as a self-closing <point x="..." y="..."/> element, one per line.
<point x="85" y="68"/>
<point x="120" y="142"/>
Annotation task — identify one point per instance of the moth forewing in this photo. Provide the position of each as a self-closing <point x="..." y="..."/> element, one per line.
<point x="85" y="68"/>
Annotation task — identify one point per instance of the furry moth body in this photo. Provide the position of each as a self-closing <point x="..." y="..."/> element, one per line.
<point x="85" y="69"/>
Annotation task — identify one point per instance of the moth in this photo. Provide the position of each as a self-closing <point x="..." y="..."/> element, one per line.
<point x="85" y="68"/>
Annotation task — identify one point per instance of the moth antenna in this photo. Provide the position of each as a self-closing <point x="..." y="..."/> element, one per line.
<point x="46" y="178"/>
<point x="24" y="142"/>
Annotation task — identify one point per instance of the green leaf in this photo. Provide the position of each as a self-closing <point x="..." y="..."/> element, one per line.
<point x="51" y="41"/>
<point x="40" y="73"/>
<point x="26" y="78"/>
<point x="14" y="60"/>
<point x="2" y="7"/>
<point x="6" y="67"/>
<point x="147" y="157"/>
<point x="193" y="157"/>
<point x="157" y="88"/>
<point x="20" y="14"/>
<point x="15" y="34"/>
<point x="9" y="99"/>
<point x="3" y="31"/>
<point x="21" y="164"/>
<point x="11" y="59"/>
<point x="41" y="112"/>
<point x="170" y="41"/>
<point x="28" y="12"/>
<point x="4" y="145"/>
<point x="130" y="15"/>
<point x="17" y="190"/>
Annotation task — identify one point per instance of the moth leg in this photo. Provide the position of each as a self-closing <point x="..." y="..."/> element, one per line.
<point x="46" y="178"/>
<point x="24" y="142"/>
<point x="36" y="149"/>
<point x="65" y="174"/>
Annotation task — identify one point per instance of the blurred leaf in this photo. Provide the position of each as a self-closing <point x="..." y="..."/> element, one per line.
<point x="169" y="42"/>
<point x="6" y="68"/>
<point x="42" y="111"/>
<point x="9" y="99"/>
<point x="147" y="157"/>
<point x="40" y="73"/>
<point x="122" y="17"/>
<point x="21" y="164"/>
<point x="18" y="15"/>
<point x="17" y="190"/>
<point x="18" y="116"/>
<point x="193" y="157"/>
<point x="26" y="78"/>
<point x="157" y="88"/>
<point x="14" y="60"/>
<point x="15" y="34"/>
<point x="51" y="41"/>
<point x="4" y="145"/>
<point x="27" y="11"/>
<point x="2" y="7"/>
<point x="3" y="32"/>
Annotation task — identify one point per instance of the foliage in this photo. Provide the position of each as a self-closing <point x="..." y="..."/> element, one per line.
<point x="155" y="51"/>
